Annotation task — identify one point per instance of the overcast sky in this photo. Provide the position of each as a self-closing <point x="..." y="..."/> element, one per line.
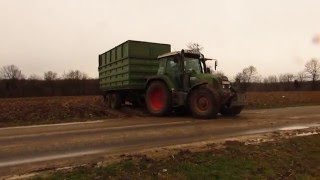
<point x="60" y="35"/>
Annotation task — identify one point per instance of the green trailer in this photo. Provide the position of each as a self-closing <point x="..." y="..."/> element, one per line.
<point x="128" y="65"/>
<point x="145" y="73"/>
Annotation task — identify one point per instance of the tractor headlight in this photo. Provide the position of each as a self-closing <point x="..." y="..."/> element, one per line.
<point x="226" y="85"/>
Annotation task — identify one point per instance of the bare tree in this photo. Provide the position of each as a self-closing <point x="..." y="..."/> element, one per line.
<point x="288" y="77"/>
<point x="301" y="76"/>
<point x="257" y="79"/>
<point x="248" y="75"/>
<point x="75" y="75"/>
<point x="239" y="77"/>
<point x="272" y="79"/>
<point x="312" y="69"/>
<point x="195" y="47"/>
<point x="11" y="72"/>
<point x="34" y="77"/>
<point x="50" y="75"/>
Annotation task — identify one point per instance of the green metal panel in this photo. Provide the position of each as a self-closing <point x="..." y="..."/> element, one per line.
<point x="119" y="52"/>
<point x="107" y="60"/>
<point x="125" y="47"/>
<point x="128" y="65"/>
<point x="147" y="50"/>
<point x="113" y="55"/>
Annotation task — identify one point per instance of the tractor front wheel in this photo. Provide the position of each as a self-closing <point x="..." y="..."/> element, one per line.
<point x="203" y="103"/>
<point x="158" y="98"/>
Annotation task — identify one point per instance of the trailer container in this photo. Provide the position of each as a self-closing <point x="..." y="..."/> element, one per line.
<point x="128" y="65"/>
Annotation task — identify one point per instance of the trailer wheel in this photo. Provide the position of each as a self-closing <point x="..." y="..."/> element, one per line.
<point x="115" y="101"/>
<point x="231" y="111"/>
<point x="158" y="99"/>
<point x="107" y="100"/>
<point x="203" y="103"/>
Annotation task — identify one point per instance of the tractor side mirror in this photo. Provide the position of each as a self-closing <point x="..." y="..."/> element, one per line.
<point x="215" y="65"/>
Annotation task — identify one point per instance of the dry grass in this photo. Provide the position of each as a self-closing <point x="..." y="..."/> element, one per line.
<point x="293" y="158"/>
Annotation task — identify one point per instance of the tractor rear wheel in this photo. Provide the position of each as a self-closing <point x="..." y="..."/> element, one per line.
<point x="203" y="103"/>
<point x="158" y="98"/>
<point x="115" y="101"/>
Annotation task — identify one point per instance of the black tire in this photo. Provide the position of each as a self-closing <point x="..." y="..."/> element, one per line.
<point x="115" y="101"/>
<point x="231" y="111"/>
<point x="107" y="100"/>
<point x="158" y="99"/>
<point x="203" y="103"/>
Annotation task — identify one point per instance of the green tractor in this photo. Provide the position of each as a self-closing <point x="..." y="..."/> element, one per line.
<point x="138" y="72"/>
<point x="184" y="80"/>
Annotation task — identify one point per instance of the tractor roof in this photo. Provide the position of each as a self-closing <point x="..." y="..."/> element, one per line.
<point x="169" y="54"/>
<point x="186" y="52"/>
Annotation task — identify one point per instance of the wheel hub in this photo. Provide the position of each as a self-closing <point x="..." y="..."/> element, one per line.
<point x="203" y="103"/>
<point x="157" y="98"/>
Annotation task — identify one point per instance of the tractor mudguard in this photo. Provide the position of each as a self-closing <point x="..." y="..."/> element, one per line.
<point x="197" y="85"/>
<point x="163" y="78"/>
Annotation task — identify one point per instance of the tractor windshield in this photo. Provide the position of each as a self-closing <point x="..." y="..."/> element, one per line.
<point x="193" y="65"/>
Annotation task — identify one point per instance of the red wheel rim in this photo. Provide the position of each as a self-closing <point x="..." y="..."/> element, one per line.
<point x="202" y="103"/>
<point x="157" y="98"/>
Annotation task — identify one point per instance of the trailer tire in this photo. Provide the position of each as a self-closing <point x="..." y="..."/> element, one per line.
<point x="203" y="103"/>
<point x="115" y="101"/>
<point x="158" y="98"/>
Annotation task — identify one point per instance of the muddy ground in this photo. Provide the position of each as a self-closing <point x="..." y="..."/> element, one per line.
<point x="293" y="154"/>
<point x="28" y="149"/>
<point x="45" y="110"/>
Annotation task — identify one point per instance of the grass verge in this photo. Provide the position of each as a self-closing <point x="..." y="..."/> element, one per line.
<point x="295" y="158"/>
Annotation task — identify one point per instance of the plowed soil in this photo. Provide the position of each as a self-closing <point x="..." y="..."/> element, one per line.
<point x="44" y="110"/>
<point x="282" y="99"/>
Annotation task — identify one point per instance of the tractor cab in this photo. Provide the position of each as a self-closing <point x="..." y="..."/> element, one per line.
<point x="184" y="68"/>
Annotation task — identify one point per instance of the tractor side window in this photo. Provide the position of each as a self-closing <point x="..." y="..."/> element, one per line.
<point x="193" y="65"/>
<point x="162" y="65"/>
<point x="173" y="66"/>
<point x="173" y="70"/>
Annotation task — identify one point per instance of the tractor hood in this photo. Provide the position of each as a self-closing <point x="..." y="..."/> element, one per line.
<point x="207" y="78"/>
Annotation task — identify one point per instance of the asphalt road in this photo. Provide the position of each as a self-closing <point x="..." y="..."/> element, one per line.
<point x="31" y="148"/>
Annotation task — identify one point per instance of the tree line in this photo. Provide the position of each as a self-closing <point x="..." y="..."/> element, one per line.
<point x="12" y="72"/>
<point x="13" y="83"/>
<point x="307" y="79"/>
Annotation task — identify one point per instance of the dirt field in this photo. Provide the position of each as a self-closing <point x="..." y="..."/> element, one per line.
<point x="24" y="111"/>
<point x="43" y="110"/>
<point x="282" y="99"/>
